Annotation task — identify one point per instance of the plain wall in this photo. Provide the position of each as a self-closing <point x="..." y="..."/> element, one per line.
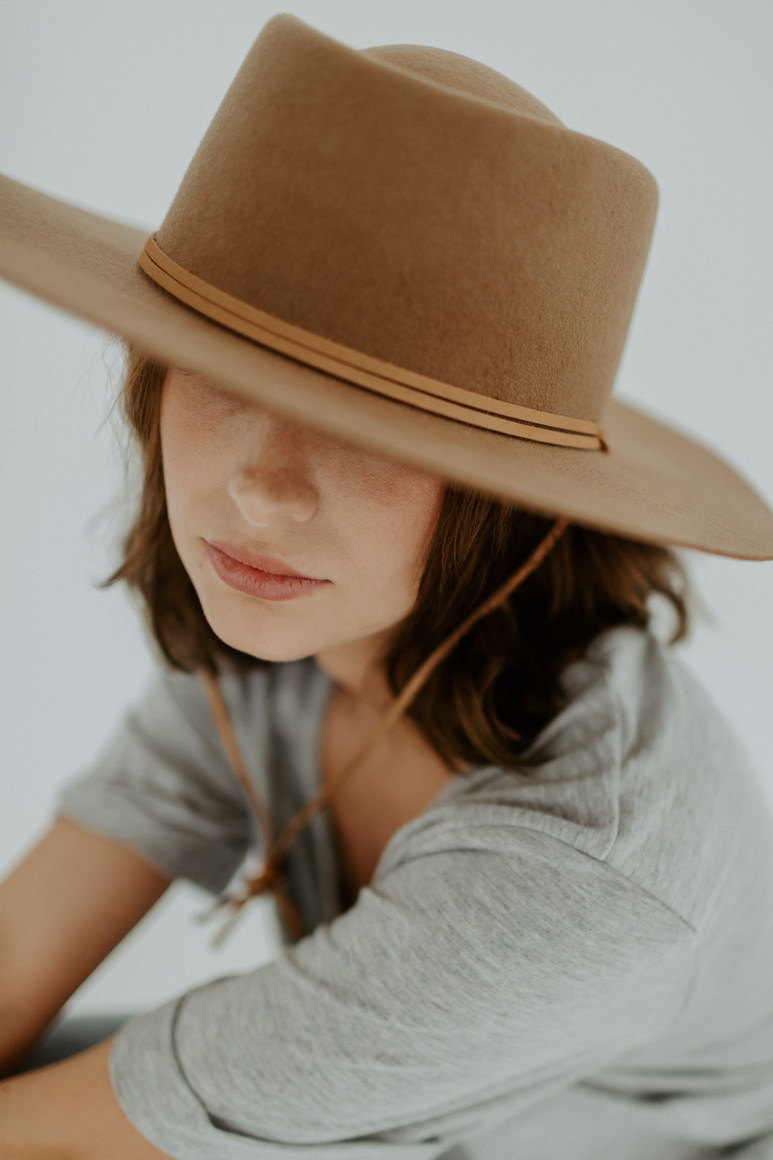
<point x="104" y="104"/>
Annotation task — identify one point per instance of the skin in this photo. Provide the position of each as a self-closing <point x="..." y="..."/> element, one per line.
<point x="235" y="472"/>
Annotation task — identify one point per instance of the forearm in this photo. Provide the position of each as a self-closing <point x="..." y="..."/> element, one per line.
<point x="18" y="1033"/>
<point x="68" y="1111"/>
<point x="62" y="910"/>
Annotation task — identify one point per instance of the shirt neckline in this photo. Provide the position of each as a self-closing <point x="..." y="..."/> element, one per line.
<point x="451" y="787"/>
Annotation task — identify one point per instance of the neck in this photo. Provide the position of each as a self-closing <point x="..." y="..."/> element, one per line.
<point x="357" y="668"/>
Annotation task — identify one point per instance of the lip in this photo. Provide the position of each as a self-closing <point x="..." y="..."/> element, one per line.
<point x="255" y="581"/>
<point x="270" y="564"/>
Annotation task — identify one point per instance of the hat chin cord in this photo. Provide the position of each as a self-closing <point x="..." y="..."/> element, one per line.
<point x="267" y="879"/>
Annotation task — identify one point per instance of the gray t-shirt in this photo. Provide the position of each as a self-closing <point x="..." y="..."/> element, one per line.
<point x="568" y="963"/>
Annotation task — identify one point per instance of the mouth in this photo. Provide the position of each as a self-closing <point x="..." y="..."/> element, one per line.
<point x="270" y="579"/>
<point x="270" y="565"/>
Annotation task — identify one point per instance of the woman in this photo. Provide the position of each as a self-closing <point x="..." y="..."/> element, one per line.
<point x="371" y="349"/>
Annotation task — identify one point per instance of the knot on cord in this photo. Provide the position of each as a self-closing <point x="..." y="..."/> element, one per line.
<point x="265" y="879"/>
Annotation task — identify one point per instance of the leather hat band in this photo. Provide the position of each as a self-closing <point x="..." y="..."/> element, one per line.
<point x="354" y="367"/>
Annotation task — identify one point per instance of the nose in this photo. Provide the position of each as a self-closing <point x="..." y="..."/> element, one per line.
<point x="273" y="482"/>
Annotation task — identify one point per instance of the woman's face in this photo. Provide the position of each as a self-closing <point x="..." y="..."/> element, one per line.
<point x="243" y="482"/>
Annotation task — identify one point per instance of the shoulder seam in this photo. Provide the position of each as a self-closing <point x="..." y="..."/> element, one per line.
<point x="583" y="853"/>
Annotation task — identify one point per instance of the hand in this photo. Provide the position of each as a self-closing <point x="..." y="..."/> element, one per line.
<point x="68" y="1111"/>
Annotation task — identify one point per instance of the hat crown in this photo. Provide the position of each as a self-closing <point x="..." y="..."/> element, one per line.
<point x="420" y="208"/>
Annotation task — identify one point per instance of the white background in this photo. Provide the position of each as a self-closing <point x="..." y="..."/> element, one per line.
<point x="104" y="104"/>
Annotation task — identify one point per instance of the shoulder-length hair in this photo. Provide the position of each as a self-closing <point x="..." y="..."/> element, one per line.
<point x="487" y="701"/>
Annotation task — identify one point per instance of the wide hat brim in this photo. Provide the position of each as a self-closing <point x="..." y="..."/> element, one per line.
<point x="652" y="484"/>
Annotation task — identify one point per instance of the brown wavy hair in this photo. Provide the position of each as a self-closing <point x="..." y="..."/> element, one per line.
<point x="500" y="685"/>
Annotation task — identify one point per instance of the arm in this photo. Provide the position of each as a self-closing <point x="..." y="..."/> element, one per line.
<point x="68" y="1112"/>
<point x="160" y="803"/>
<point x="485" y="967"/>
<point x="485" y="964"/>
<point x="62" y="910"/>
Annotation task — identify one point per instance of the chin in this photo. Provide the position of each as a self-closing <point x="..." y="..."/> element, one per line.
<point x="264" y="642"/>
<point x="264" y="653"/>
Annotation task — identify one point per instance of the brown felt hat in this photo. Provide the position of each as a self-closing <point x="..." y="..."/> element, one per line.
<point x="405" y="249"/>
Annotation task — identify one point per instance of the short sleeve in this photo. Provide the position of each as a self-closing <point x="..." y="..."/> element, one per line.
<point x="163" y="785"/>
<point x="486" y="967"/>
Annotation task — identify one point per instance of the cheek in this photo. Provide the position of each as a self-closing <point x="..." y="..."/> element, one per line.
<point x="189" y="458"/>
<point x="397" y="531"/>
<point x="176" y="456"/>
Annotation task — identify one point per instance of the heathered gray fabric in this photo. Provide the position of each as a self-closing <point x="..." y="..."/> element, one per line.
<point x="569" y="963"/>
